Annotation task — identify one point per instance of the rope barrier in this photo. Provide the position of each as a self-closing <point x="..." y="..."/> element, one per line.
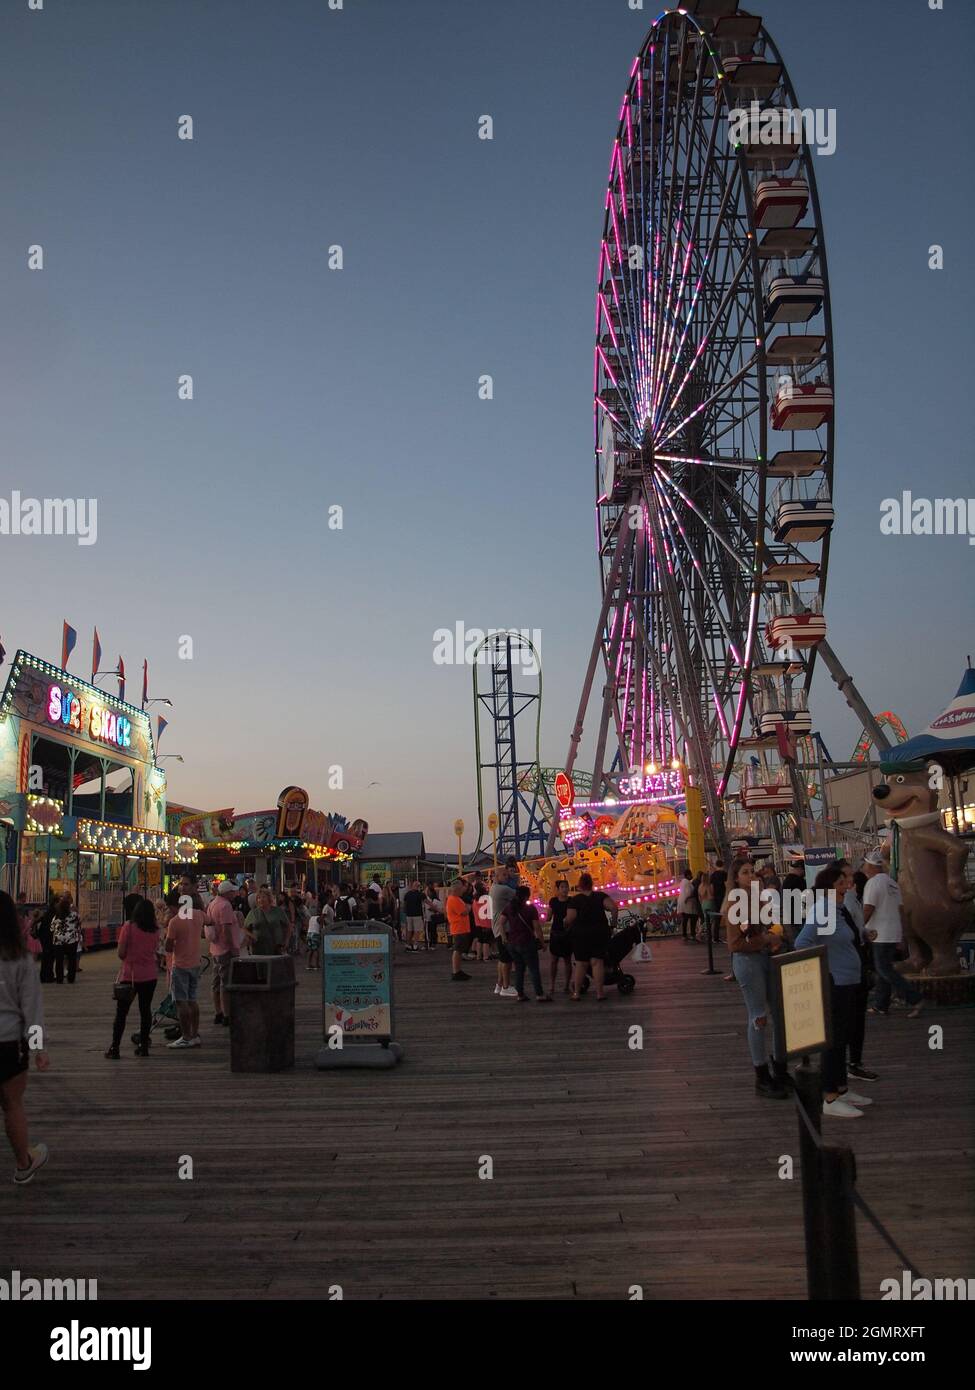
<point x="858" y="1200"/>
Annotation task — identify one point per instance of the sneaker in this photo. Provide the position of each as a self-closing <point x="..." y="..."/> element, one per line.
<point x="179" y="1043"/>
<point x="862" y="1073"/>
<point x="841" y="1109"/>
<point x="195" y="1042"/>
<point x="509" y="993"/>
<point x="460" y="975"/>
<point x="38" y="1157"/>
<point x="112" y="1053"/>
<point x="915" y="1011"/>
<point x="854" y="1099"/>
<point x="522" y="998"/>
<point x="497" y="989"/>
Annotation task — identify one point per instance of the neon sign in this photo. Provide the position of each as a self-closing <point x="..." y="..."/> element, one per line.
<point x="66" y="709"/>
<point x="653" y="785"/>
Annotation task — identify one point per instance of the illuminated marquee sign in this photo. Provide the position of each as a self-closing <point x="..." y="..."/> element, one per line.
<point x="67" y="709"/>
<point x="654" y="786"/>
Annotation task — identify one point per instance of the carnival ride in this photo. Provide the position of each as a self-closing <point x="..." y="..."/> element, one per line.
<point x="520" y="793"/>
<point x="714" y="429"/>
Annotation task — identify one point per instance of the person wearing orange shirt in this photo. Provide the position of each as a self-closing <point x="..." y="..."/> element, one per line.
<point x="459" y="926"/>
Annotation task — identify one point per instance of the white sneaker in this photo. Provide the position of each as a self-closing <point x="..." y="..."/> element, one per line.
<point x="497" y="989"/>
<point x="195" y="1042"/>
<point x="38" y="1155"/>
<point x="509" y="993"/>
<point x="841" y="1110"/>
<point x="179" y="1043"/>
<point x="854" y="1099"/>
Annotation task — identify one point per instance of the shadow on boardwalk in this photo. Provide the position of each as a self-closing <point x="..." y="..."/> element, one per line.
<point x="613" y="1167"/>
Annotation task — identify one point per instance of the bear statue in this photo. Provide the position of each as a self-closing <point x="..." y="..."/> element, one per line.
<point x="930" y="873"/>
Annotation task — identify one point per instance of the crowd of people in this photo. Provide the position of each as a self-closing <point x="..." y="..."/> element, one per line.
<point x="479" y="924"/>
<point x="858" y="917"/>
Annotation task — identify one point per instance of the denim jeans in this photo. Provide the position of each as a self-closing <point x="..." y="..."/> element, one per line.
<point x="751" y="971"/>
<point x="889" y="979"/>
<point x="522" y="957"/>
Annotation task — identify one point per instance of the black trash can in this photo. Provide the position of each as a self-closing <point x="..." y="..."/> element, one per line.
<point x="262" y="1013"/>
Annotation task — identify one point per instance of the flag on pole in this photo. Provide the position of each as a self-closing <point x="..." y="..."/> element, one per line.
<point x="96" y="656"/>
<point x="159" y="729"/>
<point x="3" y="653"/>
<point x="120" y="672"/>
<point x="145" y="682"/>
<point x="68" y="638"/>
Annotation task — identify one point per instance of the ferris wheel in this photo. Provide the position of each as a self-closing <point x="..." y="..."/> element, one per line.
<point x="713" y="391"/>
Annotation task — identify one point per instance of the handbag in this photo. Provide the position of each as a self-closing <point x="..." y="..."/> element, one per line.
<point x="123" y="991"/>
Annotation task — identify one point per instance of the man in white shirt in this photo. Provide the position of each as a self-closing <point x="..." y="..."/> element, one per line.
<point x="884" y="928"/>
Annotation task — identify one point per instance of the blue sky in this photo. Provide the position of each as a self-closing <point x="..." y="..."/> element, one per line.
<point x="313" y="647"/>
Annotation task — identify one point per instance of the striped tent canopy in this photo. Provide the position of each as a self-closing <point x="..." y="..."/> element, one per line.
<point x="949" y="739"/>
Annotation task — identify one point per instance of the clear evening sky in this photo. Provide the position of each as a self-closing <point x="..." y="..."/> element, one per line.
<point x="358" y="387"/>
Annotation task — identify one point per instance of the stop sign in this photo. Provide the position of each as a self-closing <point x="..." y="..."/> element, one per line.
<point x="565" y="792"/>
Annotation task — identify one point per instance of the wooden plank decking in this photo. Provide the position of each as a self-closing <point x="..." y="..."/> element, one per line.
<point x="612" y="1167"/>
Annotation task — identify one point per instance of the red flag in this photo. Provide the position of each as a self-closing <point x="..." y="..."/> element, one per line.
<point x="786" y="742"/>
<point x="68" y="638"/>
<point x="145" y="682"/>
<point x="96" y="655"/>
<point x="120" y="672"/>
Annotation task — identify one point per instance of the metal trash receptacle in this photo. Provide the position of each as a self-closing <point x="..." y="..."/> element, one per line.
<point x="262" y="1013"/>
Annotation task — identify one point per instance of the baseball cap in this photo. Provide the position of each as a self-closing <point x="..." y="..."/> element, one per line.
<point x="875" y="858"/>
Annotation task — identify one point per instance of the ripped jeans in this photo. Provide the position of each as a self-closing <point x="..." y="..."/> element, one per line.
<point x="751" y="971"/>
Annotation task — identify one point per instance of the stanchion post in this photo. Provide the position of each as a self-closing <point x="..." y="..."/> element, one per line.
<point x="809" y="1095"/>
<point x="709" y="938"/>
<point x="839" y="1177"/>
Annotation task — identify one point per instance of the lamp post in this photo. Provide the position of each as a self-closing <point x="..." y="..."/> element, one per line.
<point x="492" y="823"/>
<point x="459" y="832"/>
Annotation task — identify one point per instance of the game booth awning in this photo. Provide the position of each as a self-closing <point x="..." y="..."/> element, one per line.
<point x="288" y="845"/>
<point x="949" y="739"/>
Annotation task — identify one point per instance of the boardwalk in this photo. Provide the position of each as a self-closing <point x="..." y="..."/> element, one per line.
<point x="612" y="1167"/>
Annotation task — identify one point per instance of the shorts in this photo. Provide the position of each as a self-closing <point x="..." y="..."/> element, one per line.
<point x="314" y="940"/>
<point x="504" y="955"/>
<point x="413" y="924"/>
<point x="460" y="941"/>
<point x="13" y="1059"/>
<point x="184" y="982"/>
<point x="589" y="946"/>
<point x="560" y="945"/>
<point x="221" y="969"/>
<point x="484" y="935"/>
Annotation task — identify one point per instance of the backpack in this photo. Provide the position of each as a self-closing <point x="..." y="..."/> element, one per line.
<point x="343" y="912"/>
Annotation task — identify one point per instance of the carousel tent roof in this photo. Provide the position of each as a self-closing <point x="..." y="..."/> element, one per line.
<point x="950" y="737"/>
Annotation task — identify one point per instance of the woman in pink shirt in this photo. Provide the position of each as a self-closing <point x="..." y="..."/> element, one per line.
<point x="138" y="946"/>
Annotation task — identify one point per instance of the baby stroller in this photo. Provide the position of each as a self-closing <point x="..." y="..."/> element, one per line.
<point x="621" y="943"/>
